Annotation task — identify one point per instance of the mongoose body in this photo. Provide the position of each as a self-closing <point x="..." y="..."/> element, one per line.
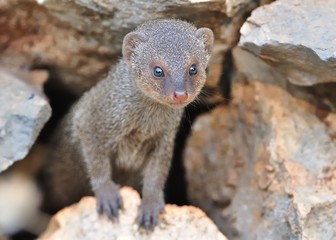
<point x="122" y="130"/>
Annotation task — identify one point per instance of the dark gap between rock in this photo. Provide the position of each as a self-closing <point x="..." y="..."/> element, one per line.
<point x="60" y="99"/>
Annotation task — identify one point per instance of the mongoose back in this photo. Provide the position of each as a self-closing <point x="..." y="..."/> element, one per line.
<point x="122" y="130"/>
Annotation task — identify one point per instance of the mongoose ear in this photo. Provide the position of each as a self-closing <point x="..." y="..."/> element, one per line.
<point x="129" y="44"/>
<point x="207" y="36"/>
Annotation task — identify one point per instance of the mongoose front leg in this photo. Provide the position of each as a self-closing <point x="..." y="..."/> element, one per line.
<point x="154" y="180"/>
<point x="105" y="190"/>
<point x="108" y="199"/>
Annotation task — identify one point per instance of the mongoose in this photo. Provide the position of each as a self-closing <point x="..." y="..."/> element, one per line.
<point x="122" y="130"/>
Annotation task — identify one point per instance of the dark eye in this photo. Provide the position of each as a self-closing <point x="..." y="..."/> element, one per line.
<point x="158" y="72"/>
<point x="193" y="70"/>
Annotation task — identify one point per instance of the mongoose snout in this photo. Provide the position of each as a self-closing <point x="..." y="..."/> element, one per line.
<point x="180" y="96"/>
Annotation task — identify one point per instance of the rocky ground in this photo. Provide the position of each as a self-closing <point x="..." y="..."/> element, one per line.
<point x="258" y="153"/>
<point x="81" y="221"/>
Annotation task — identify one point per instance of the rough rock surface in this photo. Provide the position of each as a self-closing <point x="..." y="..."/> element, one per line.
<point x="23" y="112"/>
<point x="81" y="221"/>
<point x="297" y="37"/>
<point x="264" y="167"/>
<point x="78" y="41"/>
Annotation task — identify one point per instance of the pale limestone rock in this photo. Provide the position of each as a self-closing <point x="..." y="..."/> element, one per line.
<point x="297" y="37"/>
<point x="264" y="166"/>
<point x="81" y="221"/>
<point x="23" y="112"/>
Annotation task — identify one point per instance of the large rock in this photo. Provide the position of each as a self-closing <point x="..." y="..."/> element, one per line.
<point x="78" y="41"/>
<point x="264" y="166"/>
<point x="23" y="112"/>
<point x="110" y="21"/>
<point x="297" y="37"/>
<point x="81" y="221"/>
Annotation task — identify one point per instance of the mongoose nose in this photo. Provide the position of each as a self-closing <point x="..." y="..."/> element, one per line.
<point x="180" y="96"/>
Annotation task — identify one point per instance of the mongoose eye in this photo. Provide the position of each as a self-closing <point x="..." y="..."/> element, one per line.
<point x="193" y="70"/>
<point x="158" y="72"/>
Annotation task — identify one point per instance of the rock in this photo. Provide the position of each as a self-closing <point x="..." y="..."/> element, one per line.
<point x="36" y="39"/>
<point x="264" y="167"/>
<point x="22" y="198"/>
<point x="23" y="112"/>
<point x="117" y="18"/>
<point x="81" y="221"/>
<point x="78" y="41"/>
<point x="214" y="159"/>
<point x="19" y="205"/>
<point x="234" y="6"/>
<point x="296" y="37"/>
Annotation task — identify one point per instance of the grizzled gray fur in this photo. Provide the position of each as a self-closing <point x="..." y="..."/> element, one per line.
<point x="122" y="130"/>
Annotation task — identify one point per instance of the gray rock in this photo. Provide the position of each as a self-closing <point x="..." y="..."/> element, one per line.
<point x="297" y="37"/>
<point x="23" y="112"/>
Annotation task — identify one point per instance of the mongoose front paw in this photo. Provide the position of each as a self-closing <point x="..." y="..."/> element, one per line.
<point x="149" y="212"/>
<point x="108" y="200"/>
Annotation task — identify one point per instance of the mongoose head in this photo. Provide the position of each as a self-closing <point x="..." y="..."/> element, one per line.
<point x="169" y="60"/>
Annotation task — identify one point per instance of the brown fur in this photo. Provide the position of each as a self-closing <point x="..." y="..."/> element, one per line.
<point x="124" y="127"/>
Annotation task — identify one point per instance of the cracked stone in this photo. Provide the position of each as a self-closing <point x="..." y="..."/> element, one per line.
<point x="297" y="38"/>
<point x="23" y="112"/>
